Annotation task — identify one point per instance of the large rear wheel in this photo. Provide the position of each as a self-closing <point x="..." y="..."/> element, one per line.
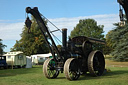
<point x="96" y="63"/>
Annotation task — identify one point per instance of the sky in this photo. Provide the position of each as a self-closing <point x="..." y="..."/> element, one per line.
<point x="63" y="13"/>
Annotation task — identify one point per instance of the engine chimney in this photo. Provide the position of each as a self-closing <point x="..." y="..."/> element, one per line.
<point x="64" y="37"/>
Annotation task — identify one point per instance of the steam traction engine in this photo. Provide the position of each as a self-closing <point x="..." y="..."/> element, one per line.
<point x="76" y="57"/>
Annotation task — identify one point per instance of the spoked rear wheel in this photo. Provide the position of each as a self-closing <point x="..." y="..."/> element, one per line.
<point x="96" y="63"/>
<point x="71" y="69"/>
<point x="49" y="69"/>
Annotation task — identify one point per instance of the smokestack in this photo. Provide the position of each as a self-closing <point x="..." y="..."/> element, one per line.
<point x="64" y="37"/>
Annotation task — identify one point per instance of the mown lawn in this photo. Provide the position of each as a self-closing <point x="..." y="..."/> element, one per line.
<point x="34" y="76"/>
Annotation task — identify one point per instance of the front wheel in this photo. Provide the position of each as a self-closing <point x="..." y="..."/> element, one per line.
<point x="71" y="69"/>
<point x="49" y="69"/>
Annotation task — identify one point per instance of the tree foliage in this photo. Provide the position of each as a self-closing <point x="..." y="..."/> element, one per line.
<point x="108" y="47"/>
<point x="89" y="28"/>
<point x="2" y="46"/>
<point x="31" y="43"/>
<point x="117" y="39"/>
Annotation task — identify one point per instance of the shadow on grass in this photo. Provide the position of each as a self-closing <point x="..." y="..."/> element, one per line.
<point x="111" y="74"/>
<point x="117" y="72"/>
<point x="106" y="75"/>
<point x="61" y="77"/>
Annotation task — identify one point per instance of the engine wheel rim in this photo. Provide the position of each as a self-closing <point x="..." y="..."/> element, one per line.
<point x="71" y="74"/>
<point x="96" y="63"/>
<point x="49" y="69"/>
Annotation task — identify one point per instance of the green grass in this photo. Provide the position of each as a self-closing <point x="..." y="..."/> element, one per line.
<point x="34" y="76"/>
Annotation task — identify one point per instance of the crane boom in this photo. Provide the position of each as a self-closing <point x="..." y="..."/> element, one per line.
<point x="53" y="48"/>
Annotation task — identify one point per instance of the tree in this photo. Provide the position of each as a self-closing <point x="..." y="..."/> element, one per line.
<point x="31" y="43"/>
<point x="108" y="48"/>
<point x="118" y="41"/>
<point x="89" y="28"/>
<point x="2" y="46"/>
<point x="17" y="46"/>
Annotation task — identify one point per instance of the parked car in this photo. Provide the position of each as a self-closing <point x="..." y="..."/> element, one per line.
<point x="3" y="62"/>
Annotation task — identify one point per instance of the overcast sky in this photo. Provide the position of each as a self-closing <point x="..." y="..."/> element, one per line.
<point x="63" y="13"/>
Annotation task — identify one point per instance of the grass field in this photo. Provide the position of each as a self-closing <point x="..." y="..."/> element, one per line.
<point x="34" y="76"/>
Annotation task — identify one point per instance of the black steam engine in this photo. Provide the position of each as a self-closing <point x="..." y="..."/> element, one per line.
<point x="76" y="57"/>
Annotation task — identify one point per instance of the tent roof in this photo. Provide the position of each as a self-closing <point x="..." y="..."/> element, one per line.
<point x="42" y="55"/>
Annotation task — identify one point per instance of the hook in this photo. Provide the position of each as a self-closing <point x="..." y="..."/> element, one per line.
<point x="28" y="24"/>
